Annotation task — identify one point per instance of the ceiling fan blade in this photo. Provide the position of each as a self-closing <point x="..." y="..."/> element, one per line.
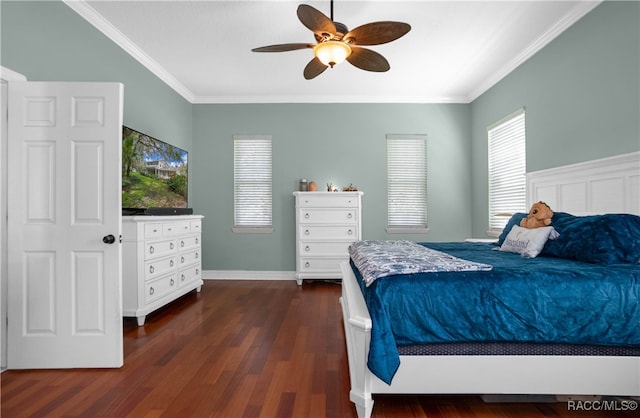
<point x="282" y="47"/>
<point x="316" y="21"/>
<point x="314" y="69"/>
<point x="368" y="60"/>
<point x="377" y="33"/>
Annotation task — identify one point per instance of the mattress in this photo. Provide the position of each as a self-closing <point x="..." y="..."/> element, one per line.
<point x="520" y="300"/>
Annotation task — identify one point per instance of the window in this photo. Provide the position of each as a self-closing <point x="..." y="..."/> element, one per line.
<point x="406" y="183"/>
<point x="252" y="174"/>
<point x="507" y="168"/>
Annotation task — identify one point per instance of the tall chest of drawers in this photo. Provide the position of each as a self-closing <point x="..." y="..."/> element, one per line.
<point x="161" y="258"/>
<point x="326" y="223"/>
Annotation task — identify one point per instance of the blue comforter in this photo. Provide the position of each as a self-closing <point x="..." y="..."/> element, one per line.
<point x="543" y="299"/>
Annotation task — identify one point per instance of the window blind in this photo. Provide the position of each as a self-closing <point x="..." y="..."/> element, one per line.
<point x="406" y="181"/>
<point x="507" y="169"/>
<point x="252" y="181"/>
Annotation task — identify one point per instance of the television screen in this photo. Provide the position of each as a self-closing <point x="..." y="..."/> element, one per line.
<point x="154" y="173"/>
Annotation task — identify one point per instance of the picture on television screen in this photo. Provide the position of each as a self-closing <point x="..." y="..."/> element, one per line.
<point x="154" y="173"/>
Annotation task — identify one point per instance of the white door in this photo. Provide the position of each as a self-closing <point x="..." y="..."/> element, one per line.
<point x="64" y="225"/>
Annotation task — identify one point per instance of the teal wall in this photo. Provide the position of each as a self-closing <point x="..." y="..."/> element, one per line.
<point x="581" y="94"/>
<point x="338" y="143"/>
<point x="48" y="41"/>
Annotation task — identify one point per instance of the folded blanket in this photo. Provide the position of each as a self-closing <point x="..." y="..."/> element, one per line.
<point x="376" y="259"/>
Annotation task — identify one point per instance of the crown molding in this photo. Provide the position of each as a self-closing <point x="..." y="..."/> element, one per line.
<point x="329" y="99"/>
<point x="89" y="14"/>
<point x="577" y="13"/>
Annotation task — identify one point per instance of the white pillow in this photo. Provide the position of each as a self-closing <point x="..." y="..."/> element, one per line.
<point x="528" y="242"/>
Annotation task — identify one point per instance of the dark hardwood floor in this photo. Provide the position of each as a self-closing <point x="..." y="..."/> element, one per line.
<point x="238" y="349"/>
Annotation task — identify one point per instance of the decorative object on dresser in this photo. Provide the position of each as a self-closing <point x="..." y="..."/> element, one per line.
<point x="161" y="261"/>
<point x="326" y="223"/>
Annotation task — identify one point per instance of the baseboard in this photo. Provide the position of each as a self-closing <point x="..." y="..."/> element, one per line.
<point x="247" y="275"/>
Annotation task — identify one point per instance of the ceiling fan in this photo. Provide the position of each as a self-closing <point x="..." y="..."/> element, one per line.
<point x="335" y="42"/>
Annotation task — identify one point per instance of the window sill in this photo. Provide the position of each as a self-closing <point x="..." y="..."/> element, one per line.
<point x="407" y="230"/>
<point x="252" y="229"/>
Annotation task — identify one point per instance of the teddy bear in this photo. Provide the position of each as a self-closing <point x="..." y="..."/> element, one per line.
<point x="539" y="215"/>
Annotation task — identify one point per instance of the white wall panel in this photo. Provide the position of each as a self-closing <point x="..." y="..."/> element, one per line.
<point x="607" y="185"/>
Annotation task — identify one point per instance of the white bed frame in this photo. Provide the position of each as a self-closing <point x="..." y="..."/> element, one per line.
<point x="610" y="185"/>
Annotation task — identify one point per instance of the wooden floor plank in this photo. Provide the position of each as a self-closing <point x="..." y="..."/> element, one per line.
<point x="238" y="349"/>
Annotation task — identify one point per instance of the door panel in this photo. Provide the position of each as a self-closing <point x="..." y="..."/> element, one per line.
<point x="88" y="182"/>
<point x="64" y="185"/>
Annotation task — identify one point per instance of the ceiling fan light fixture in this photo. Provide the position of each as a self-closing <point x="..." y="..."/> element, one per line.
<point x="331" y="53"/>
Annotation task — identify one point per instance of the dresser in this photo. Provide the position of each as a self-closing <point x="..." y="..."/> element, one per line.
<point x="326" y="223"/>
<point x="161" y="261"/>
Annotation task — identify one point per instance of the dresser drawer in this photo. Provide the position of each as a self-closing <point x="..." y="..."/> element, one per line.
<point x="328" y="216"/>
<point x="189" y="274"/>
<point x="195" y="226"/>
<point x="172" y="229"/>
<point x="188" y="257"/>
<point x="155" y="249"/>
<point x="159" y="266"/>
<point x="184" y="243"/>
<point x="312" y="232"/>
<point x="338" y="200"/>
<point x="156" y="289"/>
<point x="313" y="248"/>
<point x="320" y="265"/>
<point x="153" y="230"/>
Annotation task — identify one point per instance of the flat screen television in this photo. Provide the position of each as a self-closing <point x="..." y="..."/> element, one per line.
<point x="154" y="176"/>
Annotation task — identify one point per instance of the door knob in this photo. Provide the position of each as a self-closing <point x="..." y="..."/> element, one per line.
<point x="109" y="239"/>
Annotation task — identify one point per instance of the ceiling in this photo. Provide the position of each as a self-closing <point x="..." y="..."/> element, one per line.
<point x="454" y="52"/>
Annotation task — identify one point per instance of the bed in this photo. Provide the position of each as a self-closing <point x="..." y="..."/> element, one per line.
<point x="603" y="197"/>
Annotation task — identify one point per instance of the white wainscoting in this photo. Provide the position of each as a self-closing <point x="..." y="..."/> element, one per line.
<point x="607" y="185"/>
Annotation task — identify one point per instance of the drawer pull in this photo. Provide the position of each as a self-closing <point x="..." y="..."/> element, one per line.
<point x="197" y="271"/>
<point x="151" y="250"/>
<point x="306" y="216"/>
<point x="151" y="269"/>
<point x="350" y="232"/>
<point x="182" y="277"/>
<point x="171" y="282"/>
<point x="181" y="244"/>
<point x="197" y="240"/>
<point x="171" y="246"/>
<point x="306" y="232"/>
<point x="151" y="290"/>
<point x="350" y="215"/>
<point x="170" y="263"/>
<point x="197" y="255"/>
<point x="307" y="264"/>
<point x="182" y="259"/>
<point x="169" y="229"/>
<point x="307" y="248"/>
<point x="155" y="230"/>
